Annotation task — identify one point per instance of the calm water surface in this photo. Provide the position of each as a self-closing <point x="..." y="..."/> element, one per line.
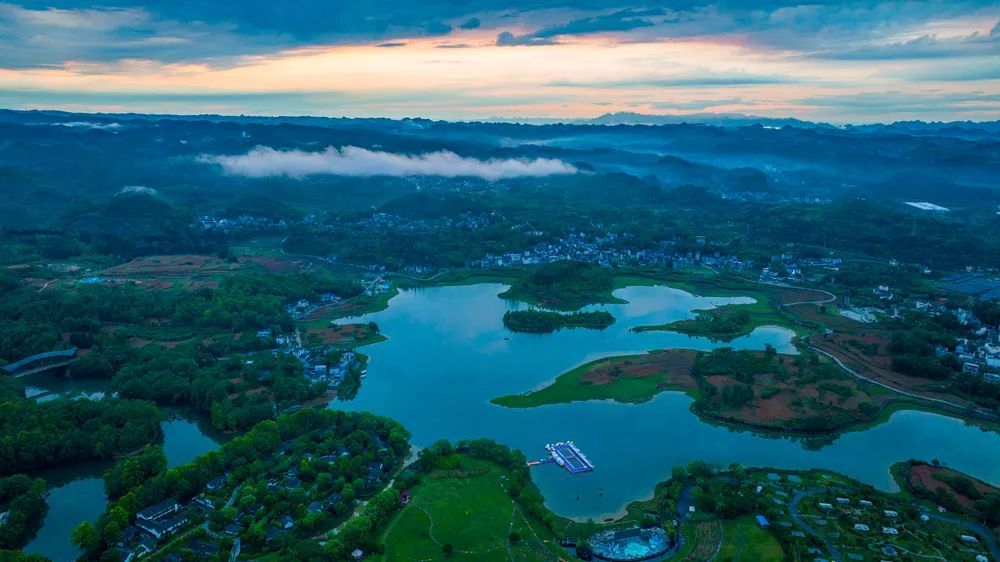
<point x="448" y="355"/>
<point x="77" y="494"/>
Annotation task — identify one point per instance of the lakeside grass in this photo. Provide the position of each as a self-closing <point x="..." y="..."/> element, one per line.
<point x="760" y="314"/>
<point x="469" y="509"/>
<point x="570" y="387"/>
<point x="743" y="540"/>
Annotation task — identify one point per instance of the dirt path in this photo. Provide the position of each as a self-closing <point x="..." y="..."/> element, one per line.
<point x="722" y="538"/>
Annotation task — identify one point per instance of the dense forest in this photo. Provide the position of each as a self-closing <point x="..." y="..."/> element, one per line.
<point x="33" y="321"/>
<point x="23" y="500"/>
<point x="36" y="435"/>
<point x="564" y="285"/>
<point x="237" y="392"/>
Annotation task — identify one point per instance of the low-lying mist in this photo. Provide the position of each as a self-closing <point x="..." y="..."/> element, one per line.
<point x="264" y="161"/>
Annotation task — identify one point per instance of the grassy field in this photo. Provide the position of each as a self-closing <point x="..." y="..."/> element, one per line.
<point x="470" y="510"/>
<point x="743" y="540"/>
<point x="644" y="377"/>
<point x="701" y="541"/>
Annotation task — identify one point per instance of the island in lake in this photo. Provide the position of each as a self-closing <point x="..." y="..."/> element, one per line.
<point x="767" y="390"/>
<point x="544" y="322"/>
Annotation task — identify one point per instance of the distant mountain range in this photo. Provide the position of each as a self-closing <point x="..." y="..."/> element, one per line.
<point x="730" y="120"/>
<point x="741" y="120"/>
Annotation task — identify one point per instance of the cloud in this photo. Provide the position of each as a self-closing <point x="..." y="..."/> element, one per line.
<point x="508" y="39"/>
<point x="924" y="47"/>
<point x="437" y="28"/>
<point x="53" y="36"/>
<point x="89" y="125"/>
<point x="40" y="33"/>
<point x="264" y="161"/>
<point x="137" y="189"/>
<point x="622" y="20"/>
<point x="702" y="78"/>
<point x="906" y="102"/>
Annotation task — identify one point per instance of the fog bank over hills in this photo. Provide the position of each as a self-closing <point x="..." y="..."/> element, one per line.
<point x="54" y="162"/>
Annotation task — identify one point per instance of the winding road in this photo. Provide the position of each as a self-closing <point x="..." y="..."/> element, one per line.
<point x="793" y="509"/>
<point x="981" y="530"/>
<point x="962" y="407"/>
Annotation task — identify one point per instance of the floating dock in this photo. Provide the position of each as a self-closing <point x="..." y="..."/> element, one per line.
<point x="567" y="455"/>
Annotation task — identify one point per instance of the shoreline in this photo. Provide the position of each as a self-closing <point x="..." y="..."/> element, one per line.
<point x="885" y="411"/>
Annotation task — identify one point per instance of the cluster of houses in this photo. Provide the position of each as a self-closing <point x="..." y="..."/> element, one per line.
<point x="157" y="523"/>
<point x="249" y="222"/>
<point x="152" y="525"/>
<point x="321" y="370"/>
<point x="375" y="284"/>
<point x="304" y="307"/>
<point x="981" y="359"/>
<point x="466" y="220"/>
<point x="891" y="520"/>
<point x="316" y="361"/>
<point x="789" y="267"/>
<point x="611" y="250"/>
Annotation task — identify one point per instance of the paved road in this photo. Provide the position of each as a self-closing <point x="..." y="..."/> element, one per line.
<point x="981" y="530"/>
<point x="962" y="407"/>
<point x="793" y="509"/>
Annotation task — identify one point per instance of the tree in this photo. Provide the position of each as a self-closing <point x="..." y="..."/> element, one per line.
<point x="989" y="507"/>
<point x="447" y="550"/>
<point x="85" y="536"/>
<point x="133" y="471"/>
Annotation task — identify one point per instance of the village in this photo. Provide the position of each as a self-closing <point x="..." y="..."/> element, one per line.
<point x="306" y="486"/>
<point x="613" y="250"/>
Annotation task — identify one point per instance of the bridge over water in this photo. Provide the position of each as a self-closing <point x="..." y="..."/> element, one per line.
<point x="39" y="363"/>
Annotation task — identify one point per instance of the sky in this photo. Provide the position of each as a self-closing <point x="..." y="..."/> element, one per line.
<point x="826" y="60"/>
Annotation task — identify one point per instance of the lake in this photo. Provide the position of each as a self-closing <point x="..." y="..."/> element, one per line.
<point x="448" y="354"/>
<point x="77" y="494"/>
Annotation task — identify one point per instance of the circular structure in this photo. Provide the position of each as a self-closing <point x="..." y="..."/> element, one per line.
<point x="629" y="544"/>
